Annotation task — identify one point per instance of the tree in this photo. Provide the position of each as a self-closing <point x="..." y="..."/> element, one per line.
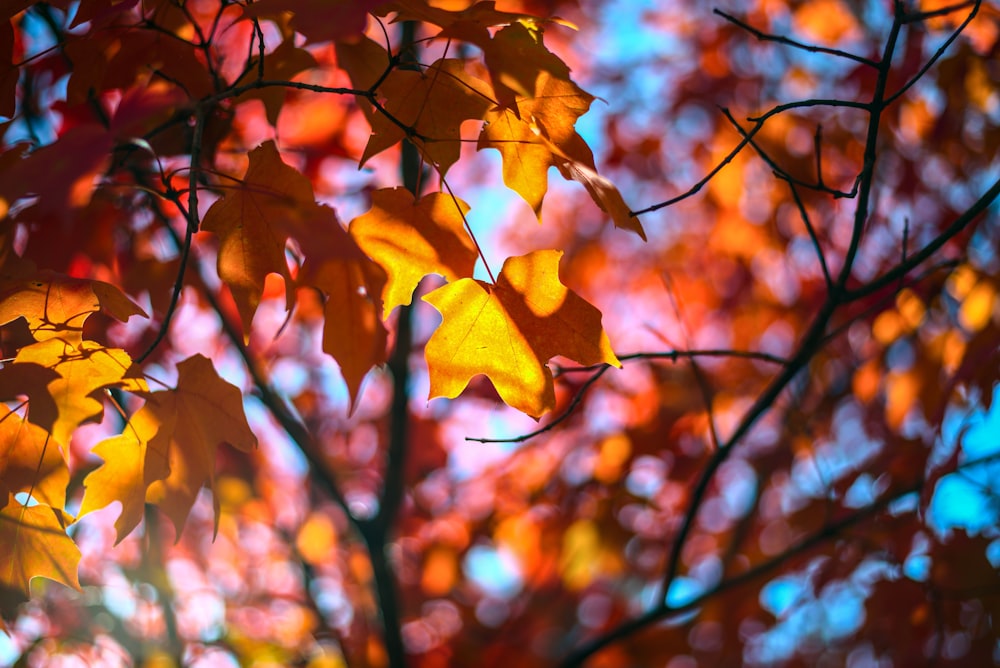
<point x="725" y="422"/>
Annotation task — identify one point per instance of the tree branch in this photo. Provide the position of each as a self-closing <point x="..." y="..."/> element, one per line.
<point x="812" y="48"/>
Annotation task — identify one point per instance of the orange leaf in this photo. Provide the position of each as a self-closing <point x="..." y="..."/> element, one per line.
<point x="509" y="331"/>
<point x="30" y="461"/>
<point x="538" y="132"/>
<point x="515" y="57"/>
<point x="433" y="103"/>
<point x="353" y="332"/>
<point x="35" y="545"/>
<point x="604" y="193"/>
<point x="62" y="381"/>
<point x="411" y="239"/>
<point x="254" y="223"/>
<point x="56" y="305"/>
<point x="365" y="61"/>
<point x="201" y="413"/>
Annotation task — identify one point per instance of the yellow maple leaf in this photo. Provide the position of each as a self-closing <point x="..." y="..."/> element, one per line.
<point x="167" y="451"/>
<point x="509" y="331"/>
<point x="538" y="134"/>
<point x="133" y="460"/>
<point x="62" y="381"/>
<point x="56" y="305"/>
<point x="30" y="461"/>
<point x="410" y="239"/>
<point x="35" y="544"/>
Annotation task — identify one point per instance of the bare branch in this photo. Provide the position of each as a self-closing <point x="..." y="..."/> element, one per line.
<point x="577" y="398"/>
<point x="812" y="48"/>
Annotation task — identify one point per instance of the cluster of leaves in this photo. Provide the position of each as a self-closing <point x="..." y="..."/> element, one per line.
<point x="802" y="352"/>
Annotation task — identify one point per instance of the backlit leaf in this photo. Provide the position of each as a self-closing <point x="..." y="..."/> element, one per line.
<point x="196" y="417"/>
<point x="353" y="333"/>
<point x="510" y="330"/>
<point x="63" y="382"/>
<point x="433" y="102"/>
<point x="30" y="461"/>
<point x="35" y="544"/>
<point x="411" y="239"/>
<point x="56" y="305"/>
<point x="253" y="223"/>
<point x="133" y="460"/>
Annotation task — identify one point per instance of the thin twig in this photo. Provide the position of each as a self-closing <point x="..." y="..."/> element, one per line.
<point x="904" y="267"/>
<point x="570" y="409"/>
<point x="675" y="355"/>
<point x="811" y="230"/>
<point x="937" y="55"/>
<point x="781" y="172"/>
<point x="190" y="228"/>
<point x="812" y="48"/>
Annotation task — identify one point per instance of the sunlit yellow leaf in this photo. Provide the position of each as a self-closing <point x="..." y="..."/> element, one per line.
<point x="510" y="330"/>
<point x="133" y="460"/>
<point x="35" y="544"/>
<point x="167" y="451"/>
<point x="30" y="461"/>
<point x="56" y="305"/>
<point x="63" y="382"/>
<point x="411" y="239"/>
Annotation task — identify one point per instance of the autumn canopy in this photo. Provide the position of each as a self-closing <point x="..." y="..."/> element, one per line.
<point x="455" y="333"/>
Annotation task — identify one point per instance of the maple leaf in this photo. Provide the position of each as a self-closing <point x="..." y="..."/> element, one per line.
<point x="254" y="223"/>
<point x="411" y="239"/>
<point x="133" y="460"/>
<point x="365" y="61"/>
<point x="551" y="111"/>
<point x="56" y="305"/>
<point x="35" y="545"/>
<point x="62" y="379"/>
<point x="283" y="63"/>
<point x="601" y="190"/>
<point x="433" y="103"/>
<point x="167" y="452"/>
<point x="538" y="132"/>
<point x="30" y="461"/>
<point x="515" y="56"/>
<point x="509" y="331"/>
<point x="353" y="332"/>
